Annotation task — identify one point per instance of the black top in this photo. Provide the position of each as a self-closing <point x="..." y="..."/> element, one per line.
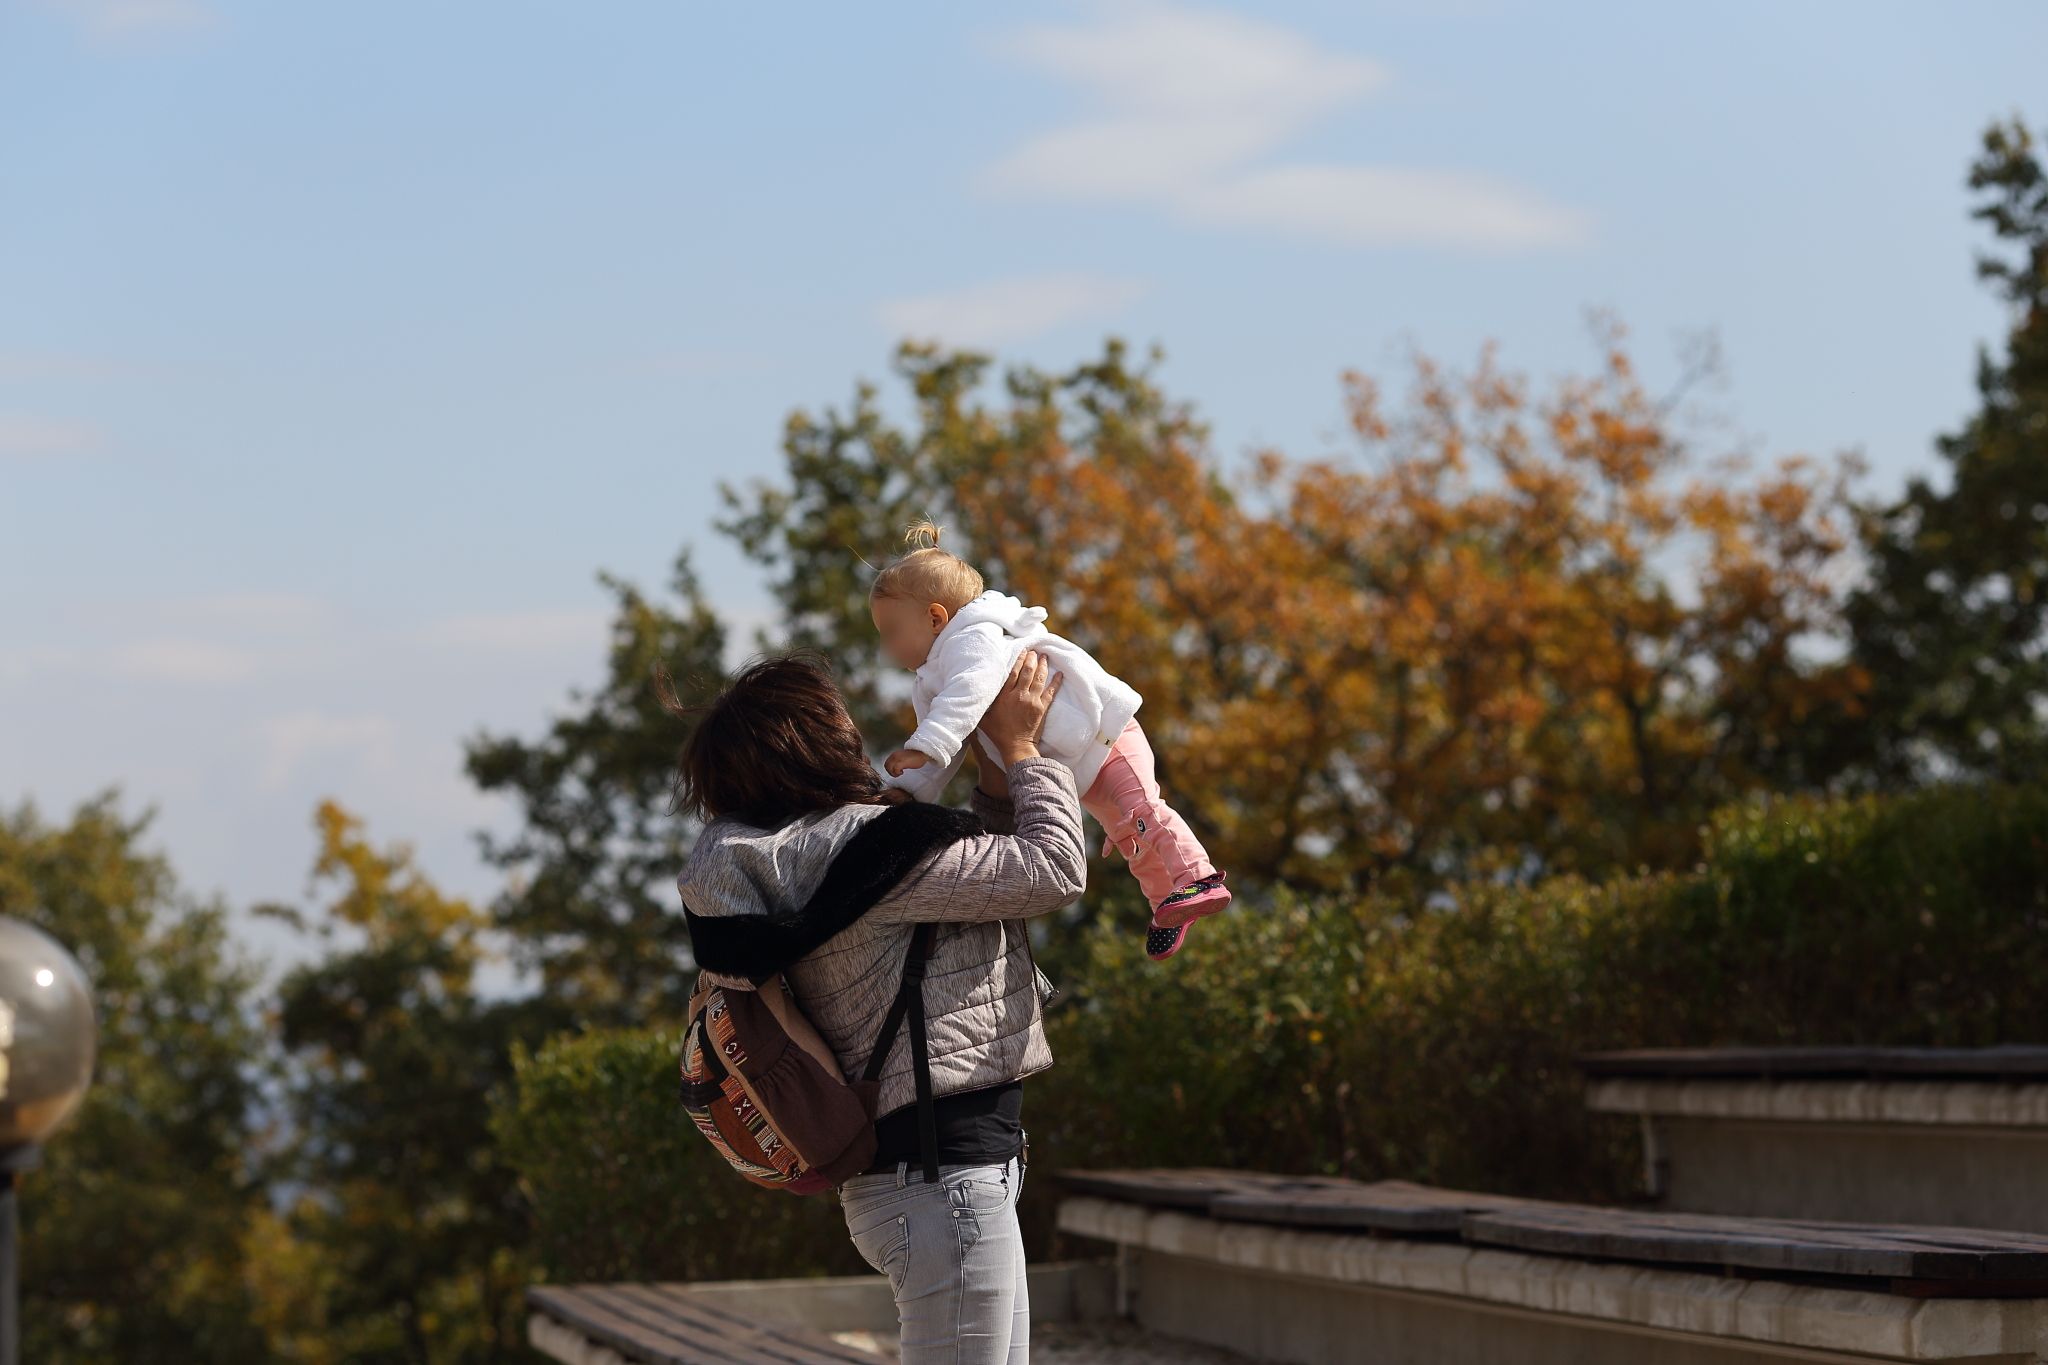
<point x="979" y="1127"/>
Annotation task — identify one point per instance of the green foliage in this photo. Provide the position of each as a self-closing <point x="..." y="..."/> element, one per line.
<point x="1457" y="648"/>
<point x="1351" y="1037"/>
<point x="1952" y="625"/>
<point x="622" y="1187"/>
<point x="587" y="905"/>
<point x="410" y="1229"/>
<point x="856" y="480"/>
<point x="1345" y="1037"/>
<point x="132" y="1229"/>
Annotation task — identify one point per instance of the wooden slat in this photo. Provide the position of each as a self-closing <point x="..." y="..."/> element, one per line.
<point x="2012" y="1062"/>
<point x="602" y="1325"/>
<point x="742" y="1345"/>
<point x="1862" y="1250"/>
<point x="1385" y="1206"/>
<point x="653" y="1327"/>
<point x="1298" y="1200"/>
<point x="2015" y="1062"/>
<point x="709" y="1335"/>
<point x="808" y="1346"/>
<point x="1189" y="1188"/>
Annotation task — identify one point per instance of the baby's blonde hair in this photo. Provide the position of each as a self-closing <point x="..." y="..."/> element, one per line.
<point x="925" y="573"/>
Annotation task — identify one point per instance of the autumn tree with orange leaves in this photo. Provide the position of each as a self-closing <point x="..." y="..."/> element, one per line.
<point x="1505" y="632"/>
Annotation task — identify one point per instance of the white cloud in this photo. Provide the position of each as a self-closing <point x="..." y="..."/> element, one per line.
<point x="1008" y="310"/>
<point x="265" y="612"/>
<point x="1126" y="159"/>
<point x="290" y="740"/>
<point x="1187" y="92"/>
<point x="1385" y="205"/>
<point x="1191" y="103"/>
<point x="184" y="661"/>
<point x="225" y="638"/>
<point x="116" y="19"/>
<point x="523" y="630"/>
<point x="29" y="437"/>
<point x="233" y="713"/>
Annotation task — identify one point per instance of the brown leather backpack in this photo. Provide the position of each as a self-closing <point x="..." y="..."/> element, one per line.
<point x="763" y="1086"/>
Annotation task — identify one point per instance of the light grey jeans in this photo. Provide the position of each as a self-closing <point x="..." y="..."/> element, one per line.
<point x="954" y="1258"/>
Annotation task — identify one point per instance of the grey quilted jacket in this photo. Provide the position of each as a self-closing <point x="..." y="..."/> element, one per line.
<point x="983" y="991"/>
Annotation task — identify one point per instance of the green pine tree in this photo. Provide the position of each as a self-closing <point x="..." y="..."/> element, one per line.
<point x="1953" y="624"/>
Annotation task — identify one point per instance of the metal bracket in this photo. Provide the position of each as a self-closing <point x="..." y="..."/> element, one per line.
<point x="1656" y="1168"/>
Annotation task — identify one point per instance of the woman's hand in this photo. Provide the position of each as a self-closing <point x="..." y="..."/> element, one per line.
<point x="1016" y="718"/>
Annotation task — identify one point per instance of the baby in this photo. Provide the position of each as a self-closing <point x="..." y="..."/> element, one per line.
<point x="935" y="619"/>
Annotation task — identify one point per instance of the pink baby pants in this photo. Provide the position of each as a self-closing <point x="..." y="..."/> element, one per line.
<point x="1162" y="851"/>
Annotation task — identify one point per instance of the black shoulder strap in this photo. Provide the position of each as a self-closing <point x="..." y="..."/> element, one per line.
<point x="871" y="864"/>
<point x="910" y="1001"/>
<point x="920" y="1060"/>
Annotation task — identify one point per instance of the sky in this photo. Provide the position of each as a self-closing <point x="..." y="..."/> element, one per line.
<point x="341" y="346"/>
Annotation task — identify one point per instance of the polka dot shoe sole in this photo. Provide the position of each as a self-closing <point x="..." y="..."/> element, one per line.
<point x="1163" y="941"/>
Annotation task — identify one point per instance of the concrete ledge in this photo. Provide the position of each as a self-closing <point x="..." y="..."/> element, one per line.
<point x="1951" y="1153"/>
<point x="1947" y="1104"/>
<point x="1589" y="1310"/>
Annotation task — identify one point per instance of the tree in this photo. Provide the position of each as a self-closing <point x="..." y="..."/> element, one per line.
<point x="1950" y="625"/>
<point x="133" y="1237"/>
<point x="855" y="481"/>
<point x="1520" y="634"/>
<point x="1464" y="647"/>
<point x="590" y="906"/>
<point x="410" y="1234"/>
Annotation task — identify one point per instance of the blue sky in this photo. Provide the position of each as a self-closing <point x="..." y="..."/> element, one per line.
<point x="341" y="345"/>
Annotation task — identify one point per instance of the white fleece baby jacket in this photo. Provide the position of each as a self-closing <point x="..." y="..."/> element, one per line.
<point x="968" y="665"/>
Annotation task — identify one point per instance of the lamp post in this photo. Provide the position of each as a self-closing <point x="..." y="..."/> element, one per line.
<point x="47" y="1035"/>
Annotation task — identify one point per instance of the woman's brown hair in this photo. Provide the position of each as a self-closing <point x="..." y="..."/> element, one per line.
<point x="774" y="744"/>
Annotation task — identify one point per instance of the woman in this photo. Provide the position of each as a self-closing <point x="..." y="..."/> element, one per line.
<point x="798" y="819"/>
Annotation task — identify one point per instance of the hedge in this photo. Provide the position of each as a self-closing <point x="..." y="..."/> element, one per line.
<point x="622" y="1187"/>
<point x="1373" y="1039"/>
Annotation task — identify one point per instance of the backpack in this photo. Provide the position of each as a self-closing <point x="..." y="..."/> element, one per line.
<point x="763" y="1086"/>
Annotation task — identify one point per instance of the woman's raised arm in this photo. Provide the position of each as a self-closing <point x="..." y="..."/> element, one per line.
<point x="1036" y="861"/>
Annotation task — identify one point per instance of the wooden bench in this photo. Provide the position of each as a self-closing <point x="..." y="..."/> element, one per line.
<point x="812" y="1318"/>
<point x="1908" y="1135"/>
<point x="1316" y="1269"/>
<point x="650" y="1324"/>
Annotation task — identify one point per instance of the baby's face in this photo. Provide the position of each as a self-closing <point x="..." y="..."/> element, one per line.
<point x="907" y="629"/>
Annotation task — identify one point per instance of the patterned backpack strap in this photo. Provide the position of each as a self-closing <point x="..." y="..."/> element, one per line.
<point x="707" y="1082"/>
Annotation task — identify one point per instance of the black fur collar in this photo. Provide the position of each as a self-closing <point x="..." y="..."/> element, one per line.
<point x="866" y="868"/>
